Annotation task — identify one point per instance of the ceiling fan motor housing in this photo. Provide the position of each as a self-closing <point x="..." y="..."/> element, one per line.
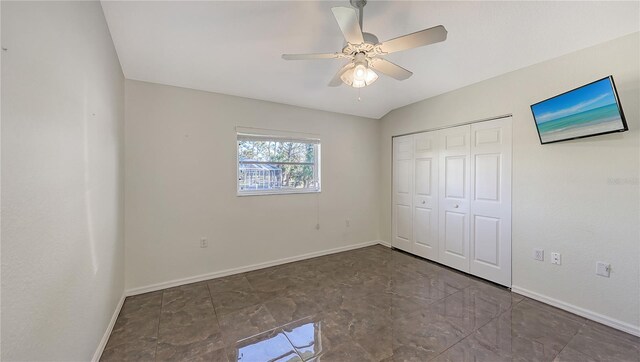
<point x="370" y="38"/>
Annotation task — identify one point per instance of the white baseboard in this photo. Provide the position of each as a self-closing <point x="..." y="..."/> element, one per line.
<point x="244" y="269"/>
<point x="384" y="243"/>
<point x="107" y="333"/>
<point x="597" y="317"/>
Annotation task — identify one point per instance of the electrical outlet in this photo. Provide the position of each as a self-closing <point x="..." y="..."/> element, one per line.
<point x="603" y="269"/>
<point x="555" y="258"/>
<point x="347" y="223"/>
<point x="204" y="243"/>
<point x="538" y="254"/>
<point x="318" y="226"/>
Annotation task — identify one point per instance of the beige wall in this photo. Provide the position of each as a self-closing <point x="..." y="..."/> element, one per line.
<point x="580" y="198"/>
<point x="181" y="185"/>
<point x="62" y="197"/>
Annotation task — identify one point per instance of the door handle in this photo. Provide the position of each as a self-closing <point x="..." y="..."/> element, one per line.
<point x="456" y="206"/>
<point x="423" y="202"/>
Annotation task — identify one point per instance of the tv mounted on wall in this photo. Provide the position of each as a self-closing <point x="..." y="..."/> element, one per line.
<point x="590" y="110"/>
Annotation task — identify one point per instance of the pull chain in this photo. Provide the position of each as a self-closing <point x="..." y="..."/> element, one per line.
<point x="359" y="99"/>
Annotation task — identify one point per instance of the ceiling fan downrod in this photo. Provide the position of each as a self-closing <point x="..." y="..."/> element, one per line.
<point x="359" y="4"/>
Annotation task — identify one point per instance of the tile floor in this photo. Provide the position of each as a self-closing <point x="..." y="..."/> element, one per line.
<point x="370" y="304"/>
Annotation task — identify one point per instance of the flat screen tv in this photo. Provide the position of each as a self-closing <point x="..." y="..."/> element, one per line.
<point x="590" y="110"/>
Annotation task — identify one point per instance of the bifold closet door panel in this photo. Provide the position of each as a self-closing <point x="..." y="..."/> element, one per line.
<point x="402" y="217"/>
<point x="454" y="171"/>
<point x="490" y="212"/>
<point x="425" y="195"/>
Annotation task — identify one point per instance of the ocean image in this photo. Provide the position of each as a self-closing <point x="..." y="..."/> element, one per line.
<point x="584" y="111"/>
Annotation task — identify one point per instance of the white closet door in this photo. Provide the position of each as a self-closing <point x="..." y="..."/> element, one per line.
<point x="454" y="197"/>
<point x="425" y="196"/>
<point x="402" y="219"/>
<point x="490" y="216"/>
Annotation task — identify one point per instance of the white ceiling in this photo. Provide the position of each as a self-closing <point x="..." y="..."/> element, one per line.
<point x="234" y="47"/>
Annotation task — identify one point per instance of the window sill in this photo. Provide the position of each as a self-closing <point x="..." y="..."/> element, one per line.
<point x="269" y="193"/>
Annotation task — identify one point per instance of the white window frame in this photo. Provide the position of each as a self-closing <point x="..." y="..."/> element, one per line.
<point x="281" y="136"/>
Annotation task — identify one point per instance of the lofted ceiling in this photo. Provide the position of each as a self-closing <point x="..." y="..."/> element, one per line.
<point x="235" y="47"/>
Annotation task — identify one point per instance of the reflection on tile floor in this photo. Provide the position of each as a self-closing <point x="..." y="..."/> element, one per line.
<point x="370" y="304"/>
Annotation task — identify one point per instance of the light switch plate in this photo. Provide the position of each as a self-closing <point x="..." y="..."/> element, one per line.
<point x="538" y="254"/>
<point x="603" y="269"/>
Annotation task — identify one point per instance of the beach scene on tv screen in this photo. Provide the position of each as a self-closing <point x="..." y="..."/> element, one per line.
<point x="585" y="111"/>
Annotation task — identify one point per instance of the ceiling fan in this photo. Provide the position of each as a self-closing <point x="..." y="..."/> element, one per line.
<point x="364" y="52"/>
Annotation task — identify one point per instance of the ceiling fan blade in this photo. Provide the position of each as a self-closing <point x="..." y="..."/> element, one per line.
<point x="347" y="19"/>
<point x="393" y="70"/>
<point x="414" y="40"/>
<point x="310" y="56"/>
<point x="336" y="81"/>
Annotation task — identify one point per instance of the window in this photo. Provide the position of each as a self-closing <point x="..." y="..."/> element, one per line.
<point x="274" y="164"/>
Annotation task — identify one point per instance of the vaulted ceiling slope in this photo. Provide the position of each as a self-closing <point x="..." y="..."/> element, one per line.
<point x="235" y="47"/>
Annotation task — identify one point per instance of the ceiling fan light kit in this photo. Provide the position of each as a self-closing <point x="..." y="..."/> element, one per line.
<point x="360" y="75"/>
<point x="364" y="52"/>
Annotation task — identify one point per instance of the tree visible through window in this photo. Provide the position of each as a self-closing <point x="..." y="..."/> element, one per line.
<point x="277" y="165"/>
